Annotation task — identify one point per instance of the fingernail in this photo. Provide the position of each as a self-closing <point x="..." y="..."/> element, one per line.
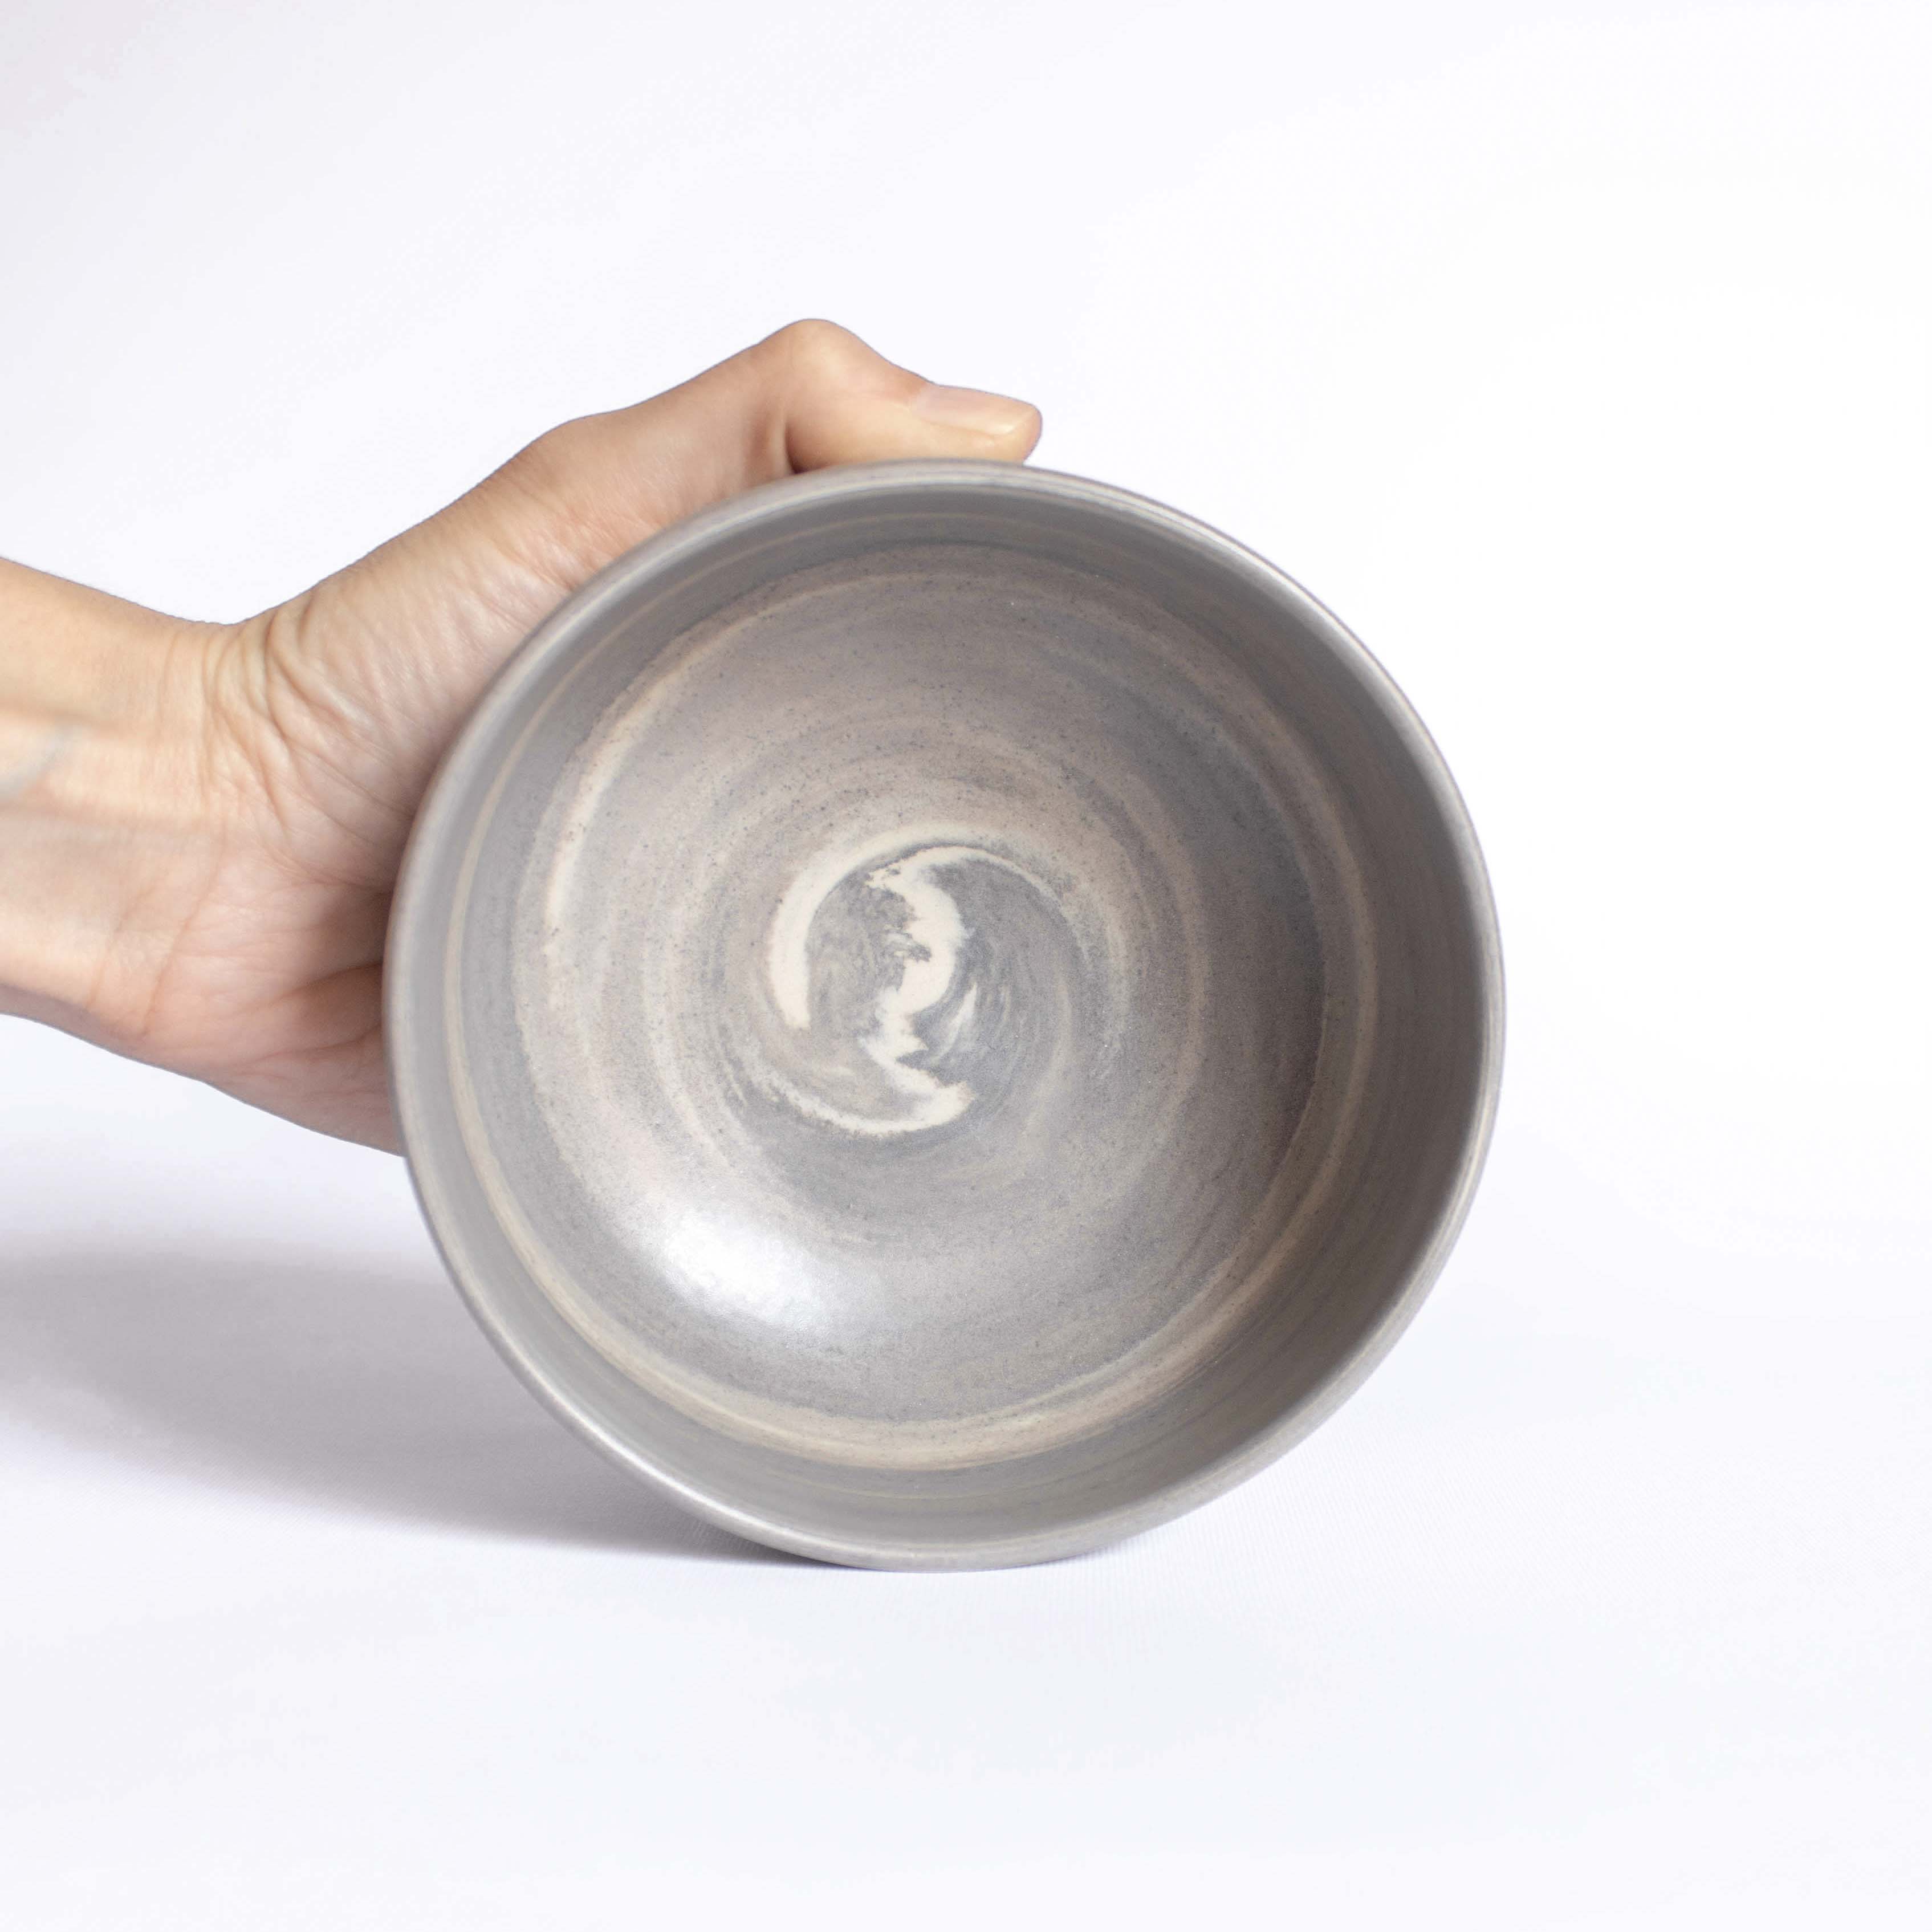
<point x="971" y="409"/>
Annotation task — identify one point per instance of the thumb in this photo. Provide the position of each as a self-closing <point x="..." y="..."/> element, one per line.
<point x="809" y="396"/>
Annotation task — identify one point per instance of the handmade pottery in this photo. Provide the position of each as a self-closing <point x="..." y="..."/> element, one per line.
<point x="943" y="1013"/>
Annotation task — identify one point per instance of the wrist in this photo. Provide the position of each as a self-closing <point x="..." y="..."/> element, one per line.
<point x="104" y="742"/>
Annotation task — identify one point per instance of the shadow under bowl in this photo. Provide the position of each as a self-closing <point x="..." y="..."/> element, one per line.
<point x="944" y="1014"/>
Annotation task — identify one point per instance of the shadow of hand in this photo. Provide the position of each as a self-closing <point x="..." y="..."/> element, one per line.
<point x="365" y="1393"/>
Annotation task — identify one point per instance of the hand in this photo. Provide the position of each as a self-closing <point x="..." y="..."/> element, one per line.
<point x="200" y="825"/>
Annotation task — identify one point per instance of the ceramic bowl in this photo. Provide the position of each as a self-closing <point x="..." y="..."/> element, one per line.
<point x="942" y="1013"/>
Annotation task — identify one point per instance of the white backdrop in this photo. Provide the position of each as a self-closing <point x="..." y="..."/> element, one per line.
<point x="1577" y="355"/>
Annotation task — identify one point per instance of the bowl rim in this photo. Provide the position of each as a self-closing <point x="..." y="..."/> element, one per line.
<point x="414" y="942"/>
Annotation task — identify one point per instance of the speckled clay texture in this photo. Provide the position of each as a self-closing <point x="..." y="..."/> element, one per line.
<point x="899" y="1044"/>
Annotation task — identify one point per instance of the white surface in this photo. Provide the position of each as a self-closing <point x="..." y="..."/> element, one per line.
<point x="1577" y="355"/>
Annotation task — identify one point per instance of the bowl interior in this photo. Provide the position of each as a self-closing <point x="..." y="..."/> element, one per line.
<point x="943" y="1013"/>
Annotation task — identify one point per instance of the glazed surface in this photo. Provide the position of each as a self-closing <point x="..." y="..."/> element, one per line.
<point x="920" y="975"/>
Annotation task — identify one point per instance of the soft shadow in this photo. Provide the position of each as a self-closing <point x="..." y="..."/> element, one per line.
<point x="360" y="1391"/>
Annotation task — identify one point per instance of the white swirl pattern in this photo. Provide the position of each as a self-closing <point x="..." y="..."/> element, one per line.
<point x="928" y="948"/>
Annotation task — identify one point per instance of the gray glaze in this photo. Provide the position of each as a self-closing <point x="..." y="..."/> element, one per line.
<point x="944" y="1013"/>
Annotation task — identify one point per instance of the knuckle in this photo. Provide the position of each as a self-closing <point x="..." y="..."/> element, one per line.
<point x="813" y="345"/>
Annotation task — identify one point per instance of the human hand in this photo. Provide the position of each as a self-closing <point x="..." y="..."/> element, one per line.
<point x="200" y="825"/>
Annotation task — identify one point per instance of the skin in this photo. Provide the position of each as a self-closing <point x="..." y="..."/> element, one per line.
<point x="200" y="824"/>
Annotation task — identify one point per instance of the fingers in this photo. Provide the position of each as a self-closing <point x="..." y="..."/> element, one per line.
<point x="810" y="396"/>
